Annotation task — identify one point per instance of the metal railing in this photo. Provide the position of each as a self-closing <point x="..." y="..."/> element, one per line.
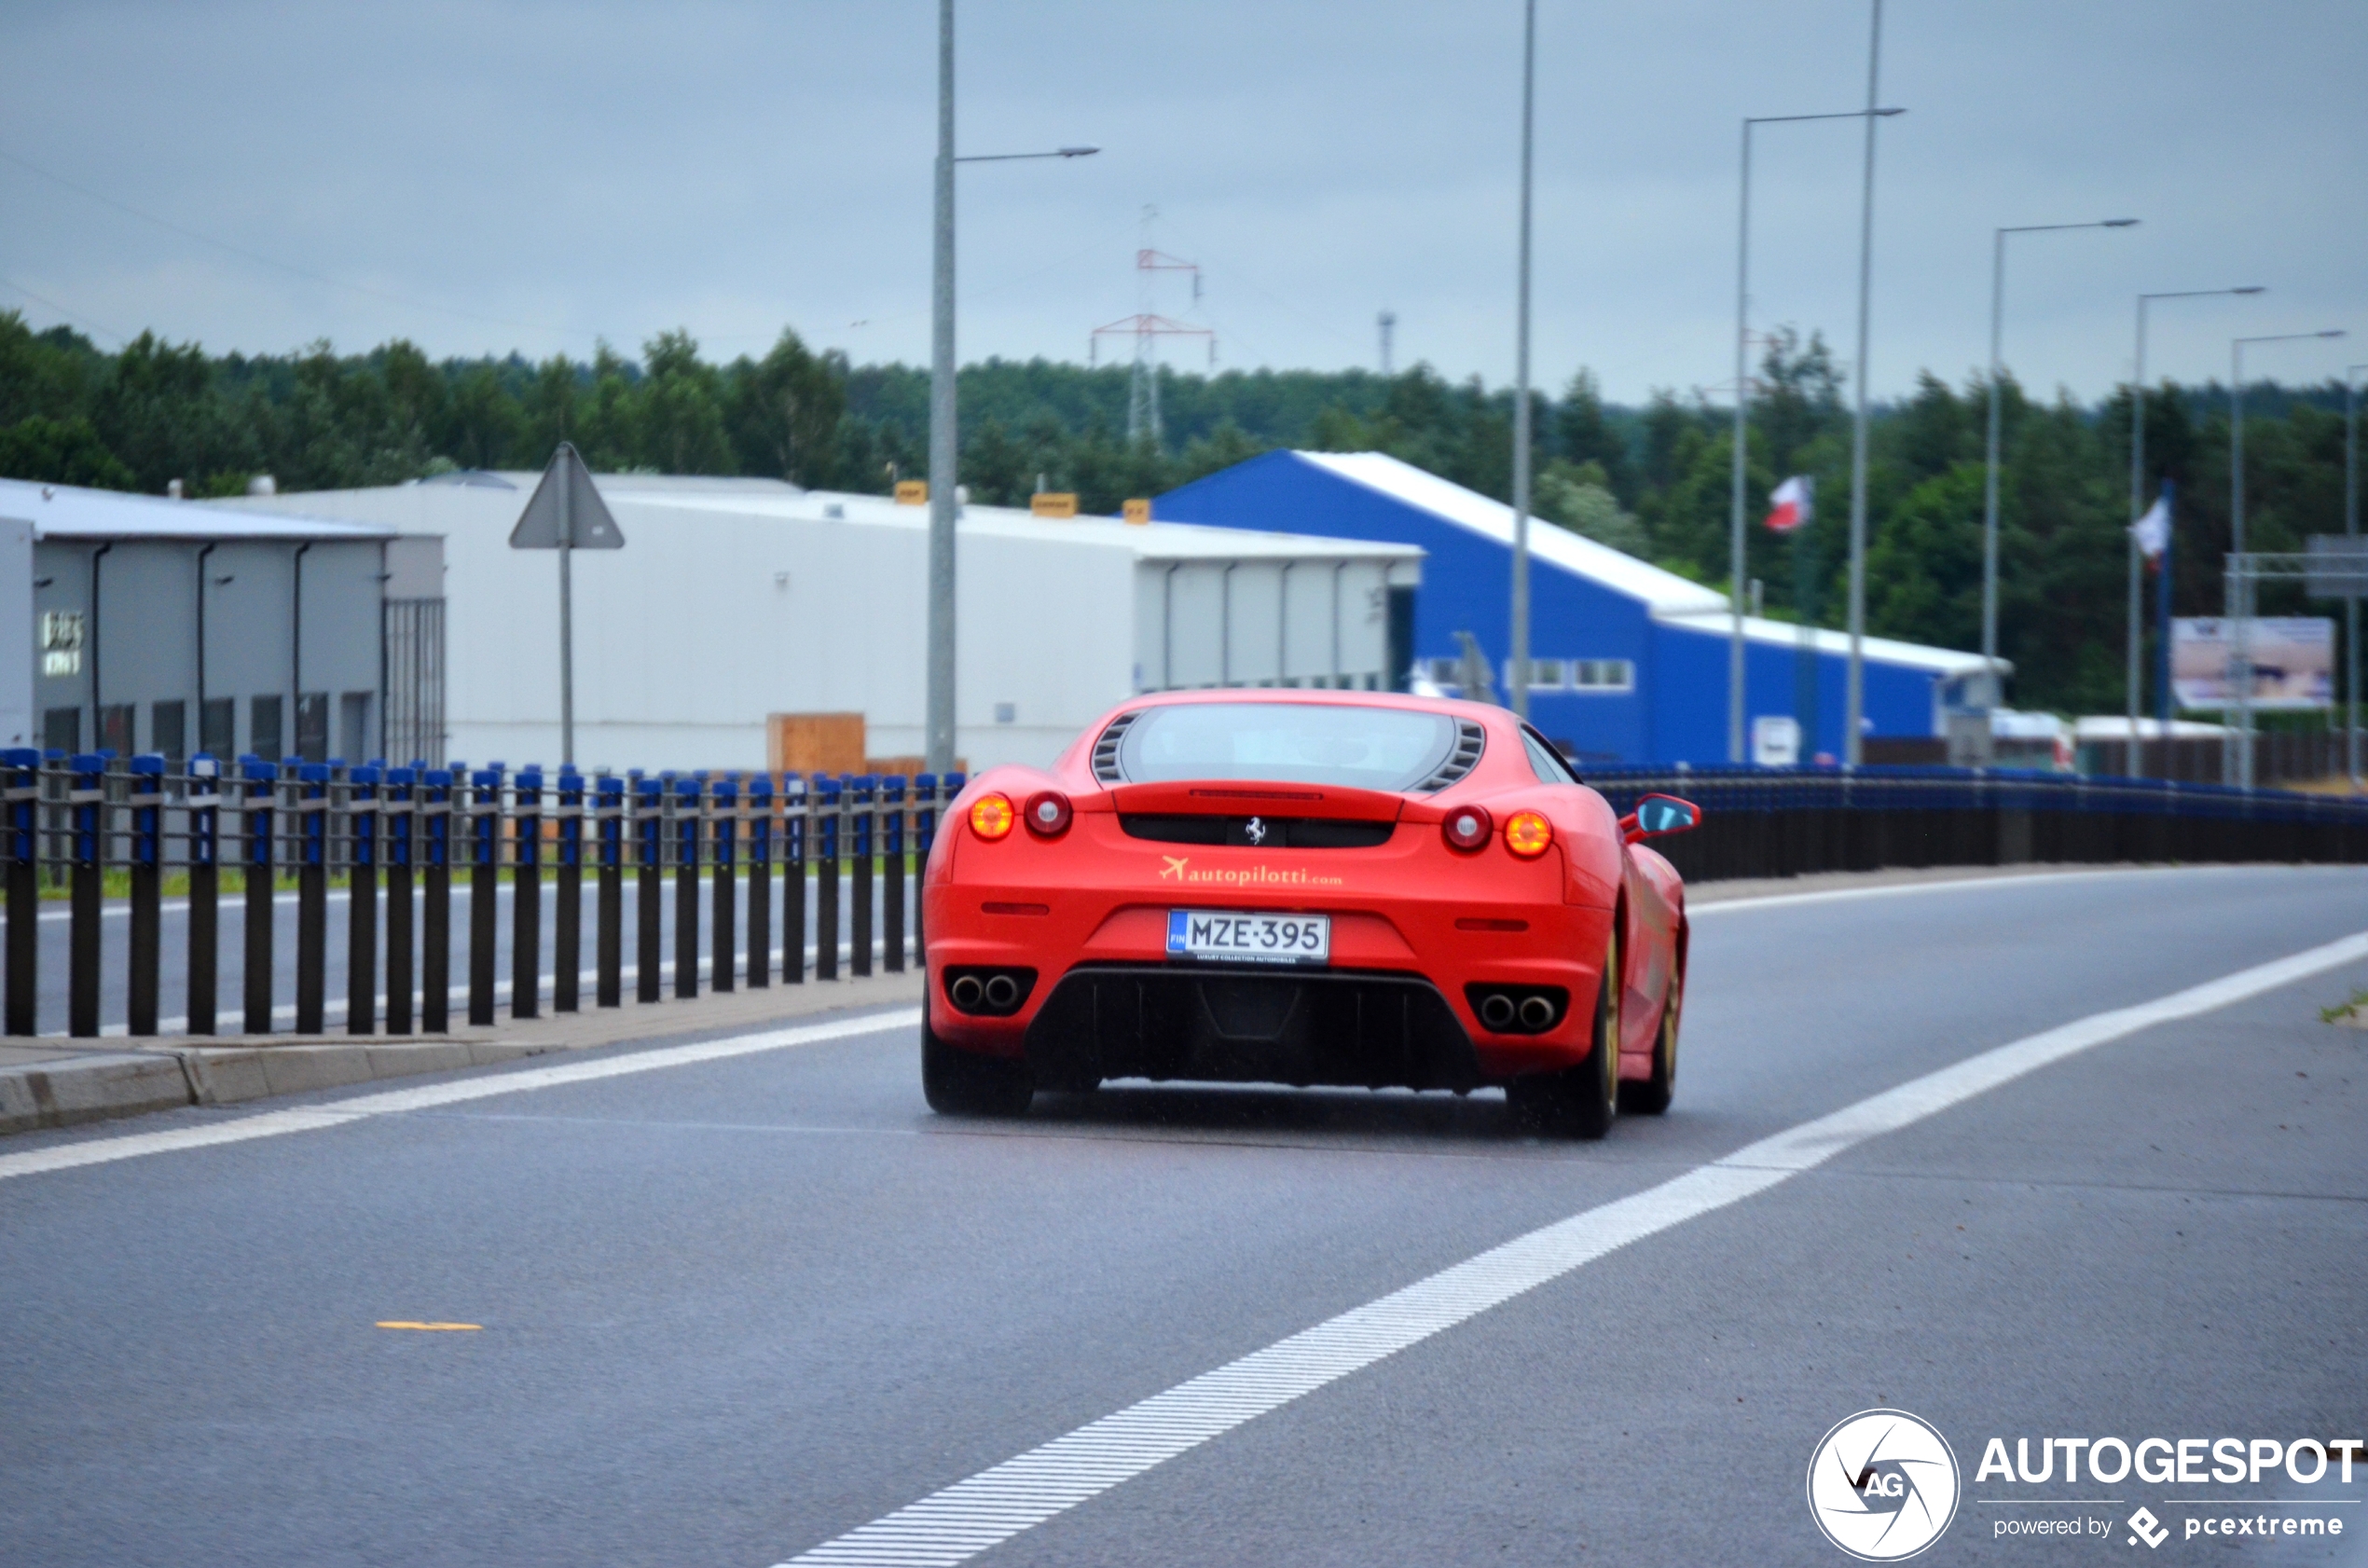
<point x="1776" y="822"/>
<point x="396" y="838"/>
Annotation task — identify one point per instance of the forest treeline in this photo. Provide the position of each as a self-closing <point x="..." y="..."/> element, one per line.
<point x="1654" y="481"/>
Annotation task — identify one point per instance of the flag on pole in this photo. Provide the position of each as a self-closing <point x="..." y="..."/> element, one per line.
<point x="2152" y="532"/>
<point x="1789" y="504"/>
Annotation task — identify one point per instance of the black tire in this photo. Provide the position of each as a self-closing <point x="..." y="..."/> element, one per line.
<point x="962" y="1083"/>
<point x="1650" y="1097"/>
<point x="1583" y="1101"/>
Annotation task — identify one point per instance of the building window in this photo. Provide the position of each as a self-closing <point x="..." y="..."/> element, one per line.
<point x="61" y="730"/>
<point x="1603" y="675"/>
<point x="118" y="728"/>
<point x="169" y="729"/>
<point x="263" y="728"/>
<point x="353" y="726"/>
<point x="1544" y="675"/>
<point x="313" y="726"/>
<point x="218" y="727"/>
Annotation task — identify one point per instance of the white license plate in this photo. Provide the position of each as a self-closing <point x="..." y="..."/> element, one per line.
<point x="1257" y="938"/>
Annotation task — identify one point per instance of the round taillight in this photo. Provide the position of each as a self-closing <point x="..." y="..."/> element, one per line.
<point x="1467" y="827"/>
<point x="1048" y="813"/>
<point x="1528" y="834"/>
<point x="991" y="817"/>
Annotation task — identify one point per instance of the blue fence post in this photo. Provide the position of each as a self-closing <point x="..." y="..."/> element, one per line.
<point x="20" y="796"/>
<point x="567" y="937"/>
<point x="891" y="817"/>
<point x="146" y="949"/>
<point x="258" y="859"/>
<point x="85" y="810"/>
<point x="760" y="854"/>
<point x="608" y="818"/>
<point x="862" y="803"/>
<point x="435" y="913"/>
<point x="795" y="806"/>
<point x="362" y="901"/>
<point x="648" y="889"/>
<point x="688" y="805"/>
<point x="724" y="797"/>
<point x="205" y="890"/>
<point x="397" y="812"/>
<point x="484" y="881"/>
<point x="525" y="893"/>
<point x="826" y="877"/>
<point x="312" y="896"/>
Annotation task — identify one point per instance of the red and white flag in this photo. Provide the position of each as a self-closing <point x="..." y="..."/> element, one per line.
<point x="1789" y="504"/>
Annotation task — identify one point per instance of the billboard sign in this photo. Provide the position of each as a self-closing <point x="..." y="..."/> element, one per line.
<point x="2294" y="662"/>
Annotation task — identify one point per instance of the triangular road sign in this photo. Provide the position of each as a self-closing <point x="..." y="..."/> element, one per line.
<point x="567" y="506"/>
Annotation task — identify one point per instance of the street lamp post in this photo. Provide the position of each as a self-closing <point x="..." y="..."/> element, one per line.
<point x="2135" y="759"/>
<point x="2352" y="605"/>
<point x="1519" y="629"/>
<point x="2241" y="670"/>
<point x="1854" y="747"/>
<point x="1735" y="681"/>
<point x="1990" y="478"/>
<point x="938" y="735"/>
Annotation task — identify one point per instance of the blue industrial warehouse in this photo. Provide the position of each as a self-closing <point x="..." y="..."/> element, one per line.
<point x="1630" y="661"/>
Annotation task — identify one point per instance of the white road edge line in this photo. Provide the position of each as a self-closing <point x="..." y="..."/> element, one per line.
<point x="337" y="1113"/>
<point x="1949" y="884"/>
<point x="952" y="1525"/>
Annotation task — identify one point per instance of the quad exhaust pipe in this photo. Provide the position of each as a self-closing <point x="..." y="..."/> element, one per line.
<point x="988" y="993"/>
<point x="1518" y="1010"/>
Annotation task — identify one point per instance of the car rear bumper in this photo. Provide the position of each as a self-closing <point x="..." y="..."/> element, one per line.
<point x="1252" y="1025"/>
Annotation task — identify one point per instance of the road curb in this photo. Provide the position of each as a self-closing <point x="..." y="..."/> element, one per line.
<point x="81" y="1083"/>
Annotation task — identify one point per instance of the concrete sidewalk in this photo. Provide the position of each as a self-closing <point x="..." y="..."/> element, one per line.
<point x="57" y="1082"/>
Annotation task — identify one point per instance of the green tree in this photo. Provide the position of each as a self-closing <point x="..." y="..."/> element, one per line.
<point x="682" y="414"/>
<point x="784" y="412"/>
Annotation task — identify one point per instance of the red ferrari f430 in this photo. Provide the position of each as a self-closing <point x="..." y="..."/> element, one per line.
<point x="1305" y="888"/>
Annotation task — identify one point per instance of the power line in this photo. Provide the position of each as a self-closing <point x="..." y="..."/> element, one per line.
<point x="262" y="260"/>
<point x="70" y="315"/>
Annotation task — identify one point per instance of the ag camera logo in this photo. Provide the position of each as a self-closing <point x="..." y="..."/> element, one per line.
<point x="1883" y="1485"/>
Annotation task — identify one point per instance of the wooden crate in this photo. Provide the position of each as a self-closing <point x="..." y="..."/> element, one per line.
<point x="814" y="742"/>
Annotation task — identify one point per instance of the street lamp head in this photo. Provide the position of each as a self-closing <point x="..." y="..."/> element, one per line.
<point x="2333" y="332"/>
<point x="1886" y="114"/>
<point x="2121" y="222"/>
<point x="2250" y="288"/>
<point x="1078" y="152"/>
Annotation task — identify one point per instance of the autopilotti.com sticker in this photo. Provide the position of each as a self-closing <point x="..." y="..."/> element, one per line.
<point x="1884" y="1484"/>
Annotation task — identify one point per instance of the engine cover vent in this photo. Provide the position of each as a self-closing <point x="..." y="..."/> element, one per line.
<point x="1106" y="767"/>
<point x="1469" y="738"/>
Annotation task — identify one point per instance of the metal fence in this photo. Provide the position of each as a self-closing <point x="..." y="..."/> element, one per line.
<point x="1772" y="822"/>
<point x="394" y="839"/>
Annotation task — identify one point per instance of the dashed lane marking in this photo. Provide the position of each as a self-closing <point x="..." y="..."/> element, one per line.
<point x="958" y="1523"/>
<point x="434" y="1328"/>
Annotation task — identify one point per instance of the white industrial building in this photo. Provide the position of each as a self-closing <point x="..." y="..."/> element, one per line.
<point x="734" y="598"/>
<point x="135" y="624"/>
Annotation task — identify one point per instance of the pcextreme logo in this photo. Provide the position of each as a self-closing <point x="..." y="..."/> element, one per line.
<point x="1178" y="868"/>
<point x="1883" y="1485"/>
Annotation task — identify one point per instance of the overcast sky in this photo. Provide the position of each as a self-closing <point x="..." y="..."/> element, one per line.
<point x="485" y="176"/>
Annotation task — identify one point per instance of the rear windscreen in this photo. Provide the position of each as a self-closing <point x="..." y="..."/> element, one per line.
<point x="1287" y="742"/>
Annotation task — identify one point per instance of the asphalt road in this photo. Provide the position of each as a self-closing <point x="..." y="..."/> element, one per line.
<point x="732" y="1310"/>
<point x="114" y="938"/>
